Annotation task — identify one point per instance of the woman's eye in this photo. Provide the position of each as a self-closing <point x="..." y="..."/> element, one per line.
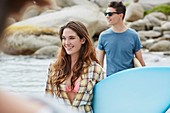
<point x="63" y="38"/>
<point x="72" y="38"/>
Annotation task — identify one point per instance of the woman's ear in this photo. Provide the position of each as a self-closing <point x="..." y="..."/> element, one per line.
<point x="83" y="40"/>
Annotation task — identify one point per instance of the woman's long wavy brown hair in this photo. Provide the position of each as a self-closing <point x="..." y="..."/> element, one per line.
<point x="61" y="68"/>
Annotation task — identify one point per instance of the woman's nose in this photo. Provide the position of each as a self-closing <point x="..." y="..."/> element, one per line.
<point x="67" y="41"/>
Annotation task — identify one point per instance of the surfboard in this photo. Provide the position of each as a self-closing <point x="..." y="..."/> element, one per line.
<point x="136" y="90"/>
<point x="136" y="62"/>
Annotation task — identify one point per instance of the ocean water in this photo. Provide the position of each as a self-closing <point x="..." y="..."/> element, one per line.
<point x="23" y="74"/>
<point x="28" y="75"/>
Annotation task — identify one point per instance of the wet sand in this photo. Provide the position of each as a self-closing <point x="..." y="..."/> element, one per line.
<point x="156" y="59"/>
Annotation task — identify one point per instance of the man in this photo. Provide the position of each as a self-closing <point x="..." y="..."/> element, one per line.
<point x="119" y="43"/>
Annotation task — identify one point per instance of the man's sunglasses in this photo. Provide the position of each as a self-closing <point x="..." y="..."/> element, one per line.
<point x="110" y="13"/>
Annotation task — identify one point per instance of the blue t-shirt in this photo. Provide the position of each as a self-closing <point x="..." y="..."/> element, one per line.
<point x="119" y="48"/>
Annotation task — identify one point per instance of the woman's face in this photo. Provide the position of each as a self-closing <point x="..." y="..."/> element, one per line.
<point x="71" y="42"/>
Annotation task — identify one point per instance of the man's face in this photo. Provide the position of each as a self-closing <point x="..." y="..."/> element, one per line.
<point x="113" y="16"/>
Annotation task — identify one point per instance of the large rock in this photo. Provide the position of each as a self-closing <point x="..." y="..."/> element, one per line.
<point x="31" y="11"/>
<point x="134" y="12"/>
<point x="166" y="34"/>
<point x="45" y="52"/>
<point x="154" y="2"/>
<point x="149" y="34"/>
<point x="70" y="3"/>
<point x="26" y="41"/>
<point x="156" y="18"/>
<point x="159" y="15"/>
<point x="148" y="43"/>
<point x="88" y="15"/>
<point x="19" y="41"/>
<point x="137" y="25"/>
<point x="102" y="3"/>
<point x="153" y="20"/>
<point x="163" y="45"/>
<point x="166" y="26"/>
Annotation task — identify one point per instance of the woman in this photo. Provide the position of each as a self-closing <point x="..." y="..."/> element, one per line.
<point x="76" y="70"/>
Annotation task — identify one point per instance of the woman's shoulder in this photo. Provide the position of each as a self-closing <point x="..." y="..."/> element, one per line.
<point x="94" y="63"/>
<point x="99" y="71"/>
<point x="95" y="71"/>
<point x="97" y="67"/>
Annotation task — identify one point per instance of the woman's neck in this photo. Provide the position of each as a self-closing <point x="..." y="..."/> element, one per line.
<point x="73" y="60"/>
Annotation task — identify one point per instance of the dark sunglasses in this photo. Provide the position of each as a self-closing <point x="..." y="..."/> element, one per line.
<point x="110" y="13"/>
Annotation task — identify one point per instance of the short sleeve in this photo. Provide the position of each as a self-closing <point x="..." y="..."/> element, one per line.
<point x="138" y="44"/>
<point x="100" y="43"/>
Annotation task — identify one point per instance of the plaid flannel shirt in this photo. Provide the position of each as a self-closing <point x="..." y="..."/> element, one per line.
<point x="83" y="98"/>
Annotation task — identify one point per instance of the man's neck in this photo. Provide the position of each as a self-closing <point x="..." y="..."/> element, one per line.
<point x="119" y="28"/>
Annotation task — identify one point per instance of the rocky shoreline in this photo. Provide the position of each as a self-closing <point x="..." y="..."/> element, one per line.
<point x="36" y="31"/>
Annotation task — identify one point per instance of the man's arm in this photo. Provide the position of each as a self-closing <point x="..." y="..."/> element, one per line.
<point x="100" y="56"/>
<point x="138" y="55"/>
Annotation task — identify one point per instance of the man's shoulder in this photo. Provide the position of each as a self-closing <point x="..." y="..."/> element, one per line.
<point x="133" y="31"/>
<point x="107" y="31"/>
